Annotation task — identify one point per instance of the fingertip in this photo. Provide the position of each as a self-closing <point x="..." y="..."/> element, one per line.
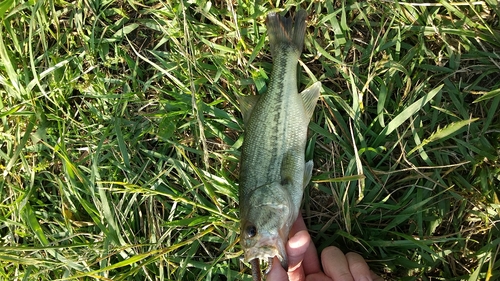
<point x="296" y="248"/>
<point x="352" y="256"/>
<point x="304" y="253"/>
<point x="358" y="266"/>
<point x="335" y="264"/>
<point x="331" y="251"/>
<point x="299" y="242"/>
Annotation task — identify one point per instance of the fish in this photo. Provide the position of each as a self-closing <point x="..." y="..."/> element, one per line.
<point x="273" y="168"/>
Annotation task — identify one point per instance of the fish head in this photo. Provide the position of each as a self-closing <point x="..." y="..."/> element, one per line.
<point x="265" y="227"/>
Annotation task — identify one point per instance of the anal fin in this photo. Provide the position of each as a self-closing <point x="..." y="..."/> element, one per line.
<point x="247" y="103"/>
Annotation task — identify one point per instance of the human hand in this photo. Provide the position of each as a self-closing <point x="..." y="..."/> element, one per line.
<point x="304" y="265"/>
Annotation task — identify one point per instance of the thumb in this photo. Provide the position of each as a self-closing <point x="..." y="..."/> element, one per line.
<point x="295" y="248"/>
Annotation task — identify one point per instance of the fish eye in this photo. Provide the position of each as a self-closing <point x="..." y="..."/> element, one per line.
<point x="250" y="231"/>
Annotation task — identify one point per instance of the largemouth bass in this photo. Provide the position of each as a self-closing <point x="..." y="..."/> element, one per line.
<point x="273" y="170"/>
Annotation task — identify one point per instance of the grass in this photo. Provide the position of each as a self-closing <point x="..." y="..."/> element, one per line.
<point x="120" y="136"/>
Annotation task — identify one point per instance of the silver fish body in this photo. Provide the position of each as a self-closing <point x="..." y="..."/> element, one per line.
<point x="273" y="170"/>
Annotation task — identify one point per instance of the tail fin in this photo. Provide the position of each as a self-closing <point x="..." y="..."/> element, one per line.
<point x="281" y="30"/>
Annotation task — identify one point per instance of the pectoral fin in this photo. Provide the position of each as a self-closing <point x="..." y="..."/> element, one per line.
<point x="310" y="98"/>
<point x="308" y="172"/>
<point x="247" y="104"/>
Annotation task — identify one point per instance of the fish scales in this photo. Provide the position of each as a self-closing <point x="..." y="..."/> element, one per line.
<point x="273" y="171"/>
<point x="275" y="127"/>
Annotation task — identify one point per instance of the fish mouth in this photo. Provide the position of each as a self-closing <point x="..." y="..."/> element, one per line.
<point x="266" y="249"/>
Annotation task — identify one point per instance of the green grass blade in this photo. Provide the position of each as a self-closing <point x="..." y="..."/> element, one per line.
<point x="443" y="133"/>
<point x="406" y="114"/>
<point x="488" y="95"/>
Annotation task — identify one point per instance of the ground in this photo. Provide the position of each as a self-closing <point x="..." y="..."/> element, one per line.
<point x="120" y="135"/>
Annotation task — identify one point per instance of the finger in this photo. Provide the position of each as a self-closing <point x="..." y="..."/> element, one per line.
<point x="319" y="276"/>
<point x="358" y="267"/>
<point x="310" y="261"/>
<point x="296" y="248"/>
<point x="335" y="264"/>
<point x="277" y="272"/>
